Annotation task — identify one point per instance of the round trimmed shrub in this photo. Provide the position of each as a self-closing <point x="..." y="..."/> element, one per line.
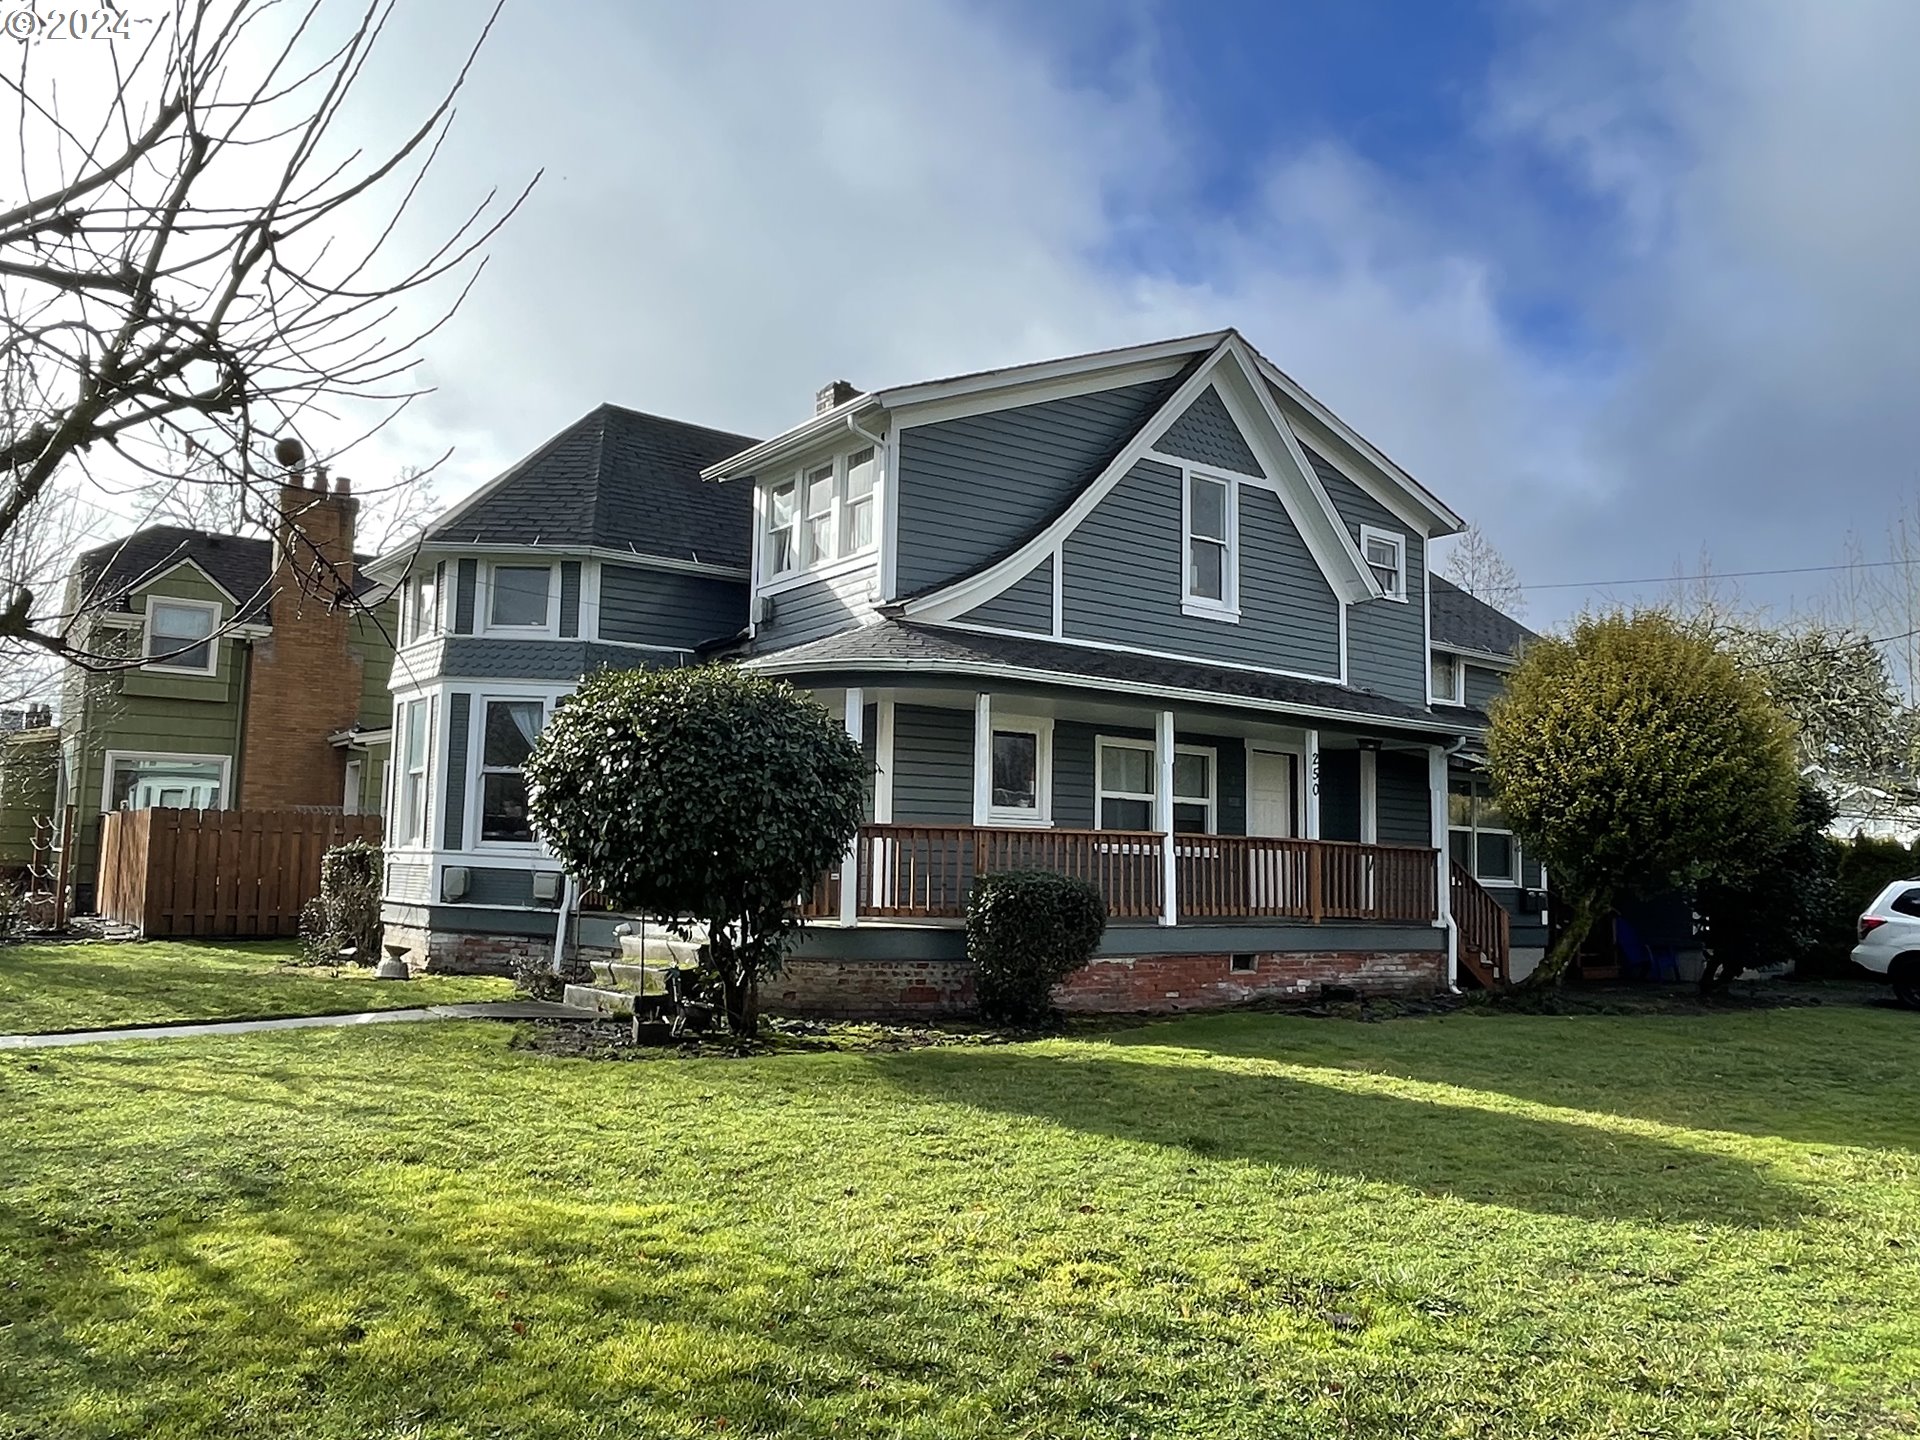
<point x="1027" y="930"/>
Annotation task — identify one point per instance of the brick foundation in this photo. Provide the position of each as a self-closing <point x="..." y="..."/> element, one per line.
<point x="1131" y="984"/>
<point x="450" y="952"/>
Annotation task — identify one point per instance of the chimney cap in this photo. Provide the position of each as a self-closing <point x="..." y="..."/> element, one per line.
<point x="832" y="396"/>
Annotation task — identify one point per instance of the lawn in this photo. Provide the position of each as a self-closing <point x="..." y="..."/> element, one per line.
<point x="83" y="987"/>
<point x="1244" y="1226"/>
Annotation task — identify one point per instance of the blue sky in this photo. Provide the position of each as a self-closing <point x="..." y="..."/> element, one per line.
<point x="1626" y="283"/>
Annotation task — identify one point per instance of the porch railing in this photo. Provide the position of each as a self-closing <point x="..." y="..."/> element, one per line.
<point x="924" y="872"/>
<point x="1485" y="945"/>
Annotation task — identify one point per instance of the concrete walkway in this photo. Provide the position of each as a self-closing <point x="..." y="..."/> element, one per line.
<point x="478" y="1010"/>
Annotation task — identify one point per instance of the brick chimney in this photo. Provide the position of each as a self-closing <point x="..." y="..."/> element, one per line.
<point x="305" y="680"/>
<point x="830" y="397"/>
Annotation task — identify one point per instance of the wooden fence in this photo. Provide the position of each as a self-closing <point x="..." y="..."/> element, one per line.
<point x="228" y="873"/>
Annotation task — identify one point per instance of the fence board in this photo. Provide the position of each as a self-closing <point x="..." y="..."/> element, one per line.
<point x="228" y="873"/>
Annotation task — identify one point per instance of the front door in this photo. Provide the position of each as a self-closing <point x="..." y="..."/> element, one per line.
<point x="1271" y="879"/>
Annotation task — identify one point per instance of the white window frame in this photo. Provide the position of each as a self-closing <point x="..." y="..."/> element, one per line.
<point x="478" y="769"/>
<point x="844" y="503"/>
<point x="211" y="608"/>
<point x="1369" y="533"/>
<point x="1474" y="831"/>
<point x="1041" y="816"/>
<point x="1459" y="671"/>
<point x="421" y="589"/>
<point x="1104" y="743"/>
<point x="1226" y="608"/>
<point x="400" y="772"/>
<point x="177" y="757"/>
<point x="839" y="557"/>
<point x="549" y="630"/>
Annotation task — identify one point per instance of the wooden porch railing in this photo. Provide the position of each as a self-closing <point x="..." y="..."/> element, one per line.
<point x="1231" y="877"/>
<point x="1482" y="925"/>
<point x="924" y="872"/>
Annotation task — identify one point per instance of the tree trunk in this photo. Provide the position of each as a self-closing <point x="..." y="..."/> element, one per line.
<point x="742" y="998"/>
<point x="1553" y="966"/>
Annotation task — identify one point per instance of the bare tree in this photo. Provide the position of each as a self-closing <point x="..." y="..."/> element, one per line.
<point x="1479" y="569"/>
<point x="1878" y="593"/>
<point x="201" y="264"/>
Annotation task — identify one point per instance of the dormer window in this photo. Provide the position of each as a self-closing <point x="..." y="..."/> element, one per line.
<point x="1212" y="565"/>
<point x="1386" y="556"/>
<point x="1445" y="679"/>
<point x="822" y="515"/>
<point x="180" y="635"/>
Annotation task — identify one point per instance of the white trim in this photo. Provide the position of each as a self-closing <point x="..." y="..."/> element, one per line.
<point x="1116" y="647"/>
<point x="1426" y="607"/>
<point x="1459" y="696"/>
<point x="1442" y="873"/>
<point x="1227" y="607"/>
<point x="1163" y="817"/>
<point x="211" y="608"/>
<point x="1398" y="542"/>
<point x="856" y="565"/>
<point x="1060" y="590"/>
<point x="777" y="662"/>
<point x="1369" y="796"/>
<point x="192" y="564"/>
<point x="1310" y="785"/>
<point x="962" y="404"/>
<point x="1296" y="783"/>
<point x="854" y="717"/>
<point x="1104" y="743"/>
<point x="178" y="757"/>
<point x="883" y="764"/>
<point x="589" y="622"/>
<point x="484" y="625"/>
<point x="986" y="722"/>
<point x="1474" y="831"/>
<point x="887" y="515"/>
<point x="1486" y="659"/>
<point x="493" y="691"/>
<point x="350" y="792"/>
<point x="532" y="554"/>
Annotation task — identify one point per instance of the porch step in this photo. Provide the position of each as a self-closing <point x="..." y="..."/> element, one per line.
<point x="605" y="1002"/>
<point x="633" y="978"/>
<point x="658" y="948"/>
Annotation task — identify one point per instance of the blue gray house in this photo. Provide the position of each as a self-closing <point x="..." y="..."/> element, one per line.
<point x="1152" y="616"/>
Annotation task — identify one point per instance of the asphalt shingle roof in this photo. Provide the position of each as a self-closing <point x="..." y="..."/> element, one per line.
<point x="242" y="565"/>
<point x="1462" y="622"/>
<point x="620" y="479"/>
<point x="893" y="641"/>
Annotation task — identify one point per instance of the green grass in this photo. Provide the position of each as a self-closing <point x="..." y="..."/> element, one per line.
<point x="1246" y="1226"/>
<point x="84" y="987"/>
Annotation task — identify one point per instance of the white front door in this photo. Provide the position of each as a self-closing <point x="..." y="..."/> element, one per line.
<point x="1269" y="793"/>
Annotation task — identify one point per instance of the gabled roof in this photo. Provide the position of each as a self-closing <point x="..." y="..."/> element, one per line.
<point x="241" y="565"/>
<point x="906" y="647"/>
<point x="1460" y="622"/>
<point x="614" y="479"/>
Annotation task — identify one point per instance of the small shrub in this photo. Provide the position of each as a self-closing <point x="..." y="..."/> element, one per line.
<point x="533" y="976"/>
<point x="13" y="910"/>
<point x="1026" y="932"/>
<point x="345" y="915"/>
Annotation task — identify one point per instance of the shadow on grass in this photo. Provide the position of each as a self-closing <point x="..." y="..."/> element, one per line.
<point x="1822" y="1075"/>
<point x="1489" y="1157"/>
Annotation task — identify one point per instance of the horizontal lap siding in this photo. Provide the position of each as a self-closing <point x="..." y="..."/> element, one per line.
<point x="932" y="766"/>
<point x="971" y="488"/>
<point x="1386" y="640"/>
<point x="1123" y="581"/>
<point x="653" y="607"/>
<point x="1075" y="780"/>
<point x="412" y="883"/>
<point x="1206" y="435"/>
<point x="1483" y="686"/>
<point x="498" y="885"/>
<point x="1027" y="604"/>
<point x="466" y="580"/>
<point x="1400" y="787"/>
<point x="570" y="598"/>
<point x="1339" y="794"/>
<point x="816" y="609"/>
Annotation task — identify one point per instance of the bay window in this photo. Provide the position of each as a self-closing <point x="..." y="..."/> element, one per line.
<point x="413" y="772"/>
<point x="1478" y="835"/>
<point x="510" y="727"/>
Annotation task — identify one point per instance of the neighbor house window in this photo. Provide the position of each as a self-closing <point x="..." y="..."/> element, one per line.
<point x="180" y="635"/>
<point x="1478" y="835"/>
<point x="856" y="510"/>
<point x="782" y="553"/>
<point x="413" y="774"/>
<point x="1386" y="556"/>
<point x="1125" y="776"/>
<point x="519" y="597"/>
<point x="166" y="782"/>
<point x="510" y="730"/>
<point x="1211" y="571"/>
<point x="1445" y="680"/>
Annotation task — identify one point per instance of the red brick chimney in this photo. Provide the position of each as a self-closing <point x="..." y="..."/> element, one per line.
<point x="305" y="680"/>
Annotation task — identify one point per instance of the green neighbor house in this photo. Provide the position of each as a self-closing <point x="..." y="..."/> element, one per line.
<point x="256" y="687"/>
<point x="29" y="762"/>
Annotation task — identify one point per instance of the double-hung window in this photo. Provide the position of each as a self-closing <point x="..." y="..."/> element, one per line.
<point x="519" y="597"/>
<point x="1478" y="835"/>
<point x="817" y="529"/>
<point x="783" y="551"/>
<point x="413" y="772"/>
<point x="856" y="507"/>
<point x="180" y="635"/>
<point x="823" y="514"/>
<point x="1386" y="556"/>
<point x="1445" y="680"/>
<point x="507" y="736"/>
<point x="1212" y="583"/>
<point x="1126" y="781"/>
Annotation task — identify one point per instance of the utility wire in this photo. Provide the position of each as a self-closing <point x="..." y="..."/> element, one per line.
<point x="1718" y="575"/>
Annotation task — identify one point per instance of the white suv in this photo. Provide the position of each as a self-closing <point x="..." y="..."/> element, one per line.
<point x="1890" y="940"/>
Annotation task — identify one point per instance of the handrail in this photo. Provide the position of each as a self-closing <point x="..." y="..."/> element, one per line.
<point x="1483" y="925"/>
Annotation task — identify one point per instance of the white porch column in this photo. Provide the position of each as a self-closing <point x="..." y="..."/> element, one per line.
<point x="1311" y="808"/>
<point x="982" y="757"/>
<point x="1369" y="796"/>
<point x="1443" y="898"/>
<point x="850" y="867"/>
<point x="883" y="759"/>
<point x="1163" y="816"/>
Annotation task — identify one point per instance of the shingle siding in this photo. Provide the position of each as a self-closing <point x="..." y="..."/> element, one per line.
<point x="932" y="766"/>
<point x="478" y="658"/>
<point x="1386" y="640"/>
<point x="1027" y="604"/>
<point x="1207" y="435"/>
<point x="657" y="607"/>
<point x="1123" y="581"/>
<point x="969" y="489"/>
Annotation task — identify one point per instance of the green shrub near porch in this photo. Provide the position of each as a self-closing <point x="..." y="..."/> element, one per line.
<point x="1027" y="930"/>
